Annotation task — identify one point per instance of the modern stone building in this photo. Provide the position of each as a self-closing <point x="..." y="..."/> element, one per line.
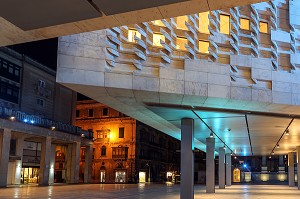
<point x="124" y="149"/>
<point x="224" y="81"/>
<point x="38" y="143"/>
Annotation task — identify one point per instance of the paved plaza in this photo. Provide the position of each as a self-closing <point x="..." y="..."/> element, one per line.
<point x="145" y="191"/>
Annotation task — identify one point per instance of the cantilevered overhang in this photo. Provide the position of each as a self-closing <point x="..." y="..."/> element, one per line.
<point x="30" y="20"/>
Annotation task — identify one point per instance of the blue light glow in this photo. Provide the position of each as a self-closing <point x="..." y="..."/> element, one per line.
<point x="25" y="120"/>
<point x="31" y="121"/>
<point x="245" y="165"/>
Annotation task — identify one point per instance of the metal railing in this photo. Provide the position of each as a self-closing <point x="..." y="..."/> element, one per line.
<point x="35" y="120"/>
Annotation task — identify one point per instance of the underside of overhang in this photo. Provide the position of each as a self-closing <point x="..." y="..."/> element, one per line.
<point x="31" y="20"/>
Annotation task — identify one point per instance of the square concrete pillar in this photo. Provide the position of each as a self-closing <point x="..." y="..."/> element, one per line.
<point x="187" y="159"/>
<point x="18" y="165"/>
<point x="73" y="160"/>
<point x="221" y="168"/>
<point x="88" y="164"/>
<point x="52" y="164"/>
<point x="210" y="165"/>
<point x="291" y="169"/>
<point x="228" y="170"/>
<point x="5" y="137"/>
<point x="45" y="161"/>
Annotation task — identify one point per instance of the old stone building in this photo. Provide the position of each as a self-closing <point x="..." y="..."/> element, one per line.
<point x="38" y="143"/>
<point x="124" y="149"/>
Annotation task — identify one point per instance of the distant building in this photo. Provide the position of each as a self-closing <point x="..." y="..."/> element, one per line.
<point x="30" y="87"/>
<point x="126" y="150"/>
<point x="38" y="143"/>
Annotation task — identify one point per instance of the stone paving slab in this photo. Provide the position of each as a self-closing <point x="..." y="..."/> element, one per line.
<point x="146" y="191"/>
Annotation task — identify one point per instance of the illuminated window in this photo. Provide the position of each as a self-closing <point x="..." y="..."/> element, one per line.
<point x="158" y="23"/>
<point x="204" y="22"/>
<point x="245" y="24"/>
<point x="181" y="22"/>
<point x="203" y="46"/>
<point x="156" y="39"/>
<point x="225" y="24"/>
<point x="131" y="34"/>
<point x="263" y="27"/>
<point x="180" y="43"/>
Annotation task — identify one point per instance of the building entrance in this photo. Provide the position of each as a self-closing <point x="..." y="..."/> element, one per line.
<point x="142" y="176"/>
<point x="102" y="176"/>
<point x="29" y="175"/>
<point x="120" y="176"/>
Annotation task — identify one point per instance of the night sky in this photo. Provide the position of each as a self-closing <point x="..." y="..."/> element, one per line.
<point x="44" y="51"/>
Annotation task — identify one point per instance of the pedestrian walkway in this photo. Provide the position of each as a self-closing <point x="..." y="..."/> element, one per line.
<point x="146" y="191"/>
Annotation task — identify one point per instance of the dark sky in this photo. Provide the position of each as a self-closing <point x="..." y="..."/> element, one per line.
<point x="44" y="51"/>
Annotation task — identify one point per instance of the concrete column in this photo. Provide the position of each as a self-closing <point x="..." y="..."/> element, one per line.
<point x="187" y="159"/>
<point x="298" y="166"/>
<point x="264" y="167"/>
<point x="228" y="170"/>
<point x="73" y="160"/>
<point x="210" y="165"/>
<point x="88" y="164"/>
<point x="19" y="152"/>
<point x="221" y="168"/>
<point x="69" y="163"/>
<point x="5" y="137"/>
<point x="52" y="164"/>
<point x="291" y="169"/>
<point x="45" y="161"/>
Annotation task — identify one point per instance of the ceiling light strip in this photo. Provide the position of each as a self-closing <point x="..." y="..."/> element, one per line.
<point x="213" y="131"/>
<point x="248" y="130"/>
<point x="286" y="129"/>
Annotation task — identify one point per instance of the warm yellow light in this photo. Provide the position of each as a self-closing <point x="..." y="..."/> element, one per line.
<point x="156" y="39"/>
<point x="263" y="27"/>
<point x="225" y="24"/>
<point x="181" y="22"/>
<point x="264" y="177"/>
<point x="131" y="34"/>
<point x="158" y="23"/>
<point x="282" y="177"/>
<point x="204" y="22"/>
<point x="203" y="47"/>
<point x="180" y="43"/>
<point x="245" y="24"/>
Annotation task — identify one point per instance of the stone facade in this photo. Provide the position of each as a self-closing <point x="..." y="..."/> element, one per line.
<point x="34" y="89"/>
<point x="123" y="148"/>
<point x="245" y="58"/>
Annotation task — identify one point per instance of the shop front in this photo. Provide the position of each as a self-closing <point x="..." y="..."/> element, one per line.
<point x="30" y="175"/>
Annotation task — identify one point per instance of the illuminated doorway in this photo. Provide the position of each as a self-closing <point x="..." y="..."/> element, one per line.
<point x="102" y="176"/>
<point x="236" y="175"/>
<point x="120" y="176"/>
<point x="29" y="175"/>
<point x="142" y="176"/>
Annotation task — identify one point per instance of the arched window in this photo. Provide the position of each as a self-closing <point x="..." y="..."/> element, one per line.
<point x="103" y="151"/>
